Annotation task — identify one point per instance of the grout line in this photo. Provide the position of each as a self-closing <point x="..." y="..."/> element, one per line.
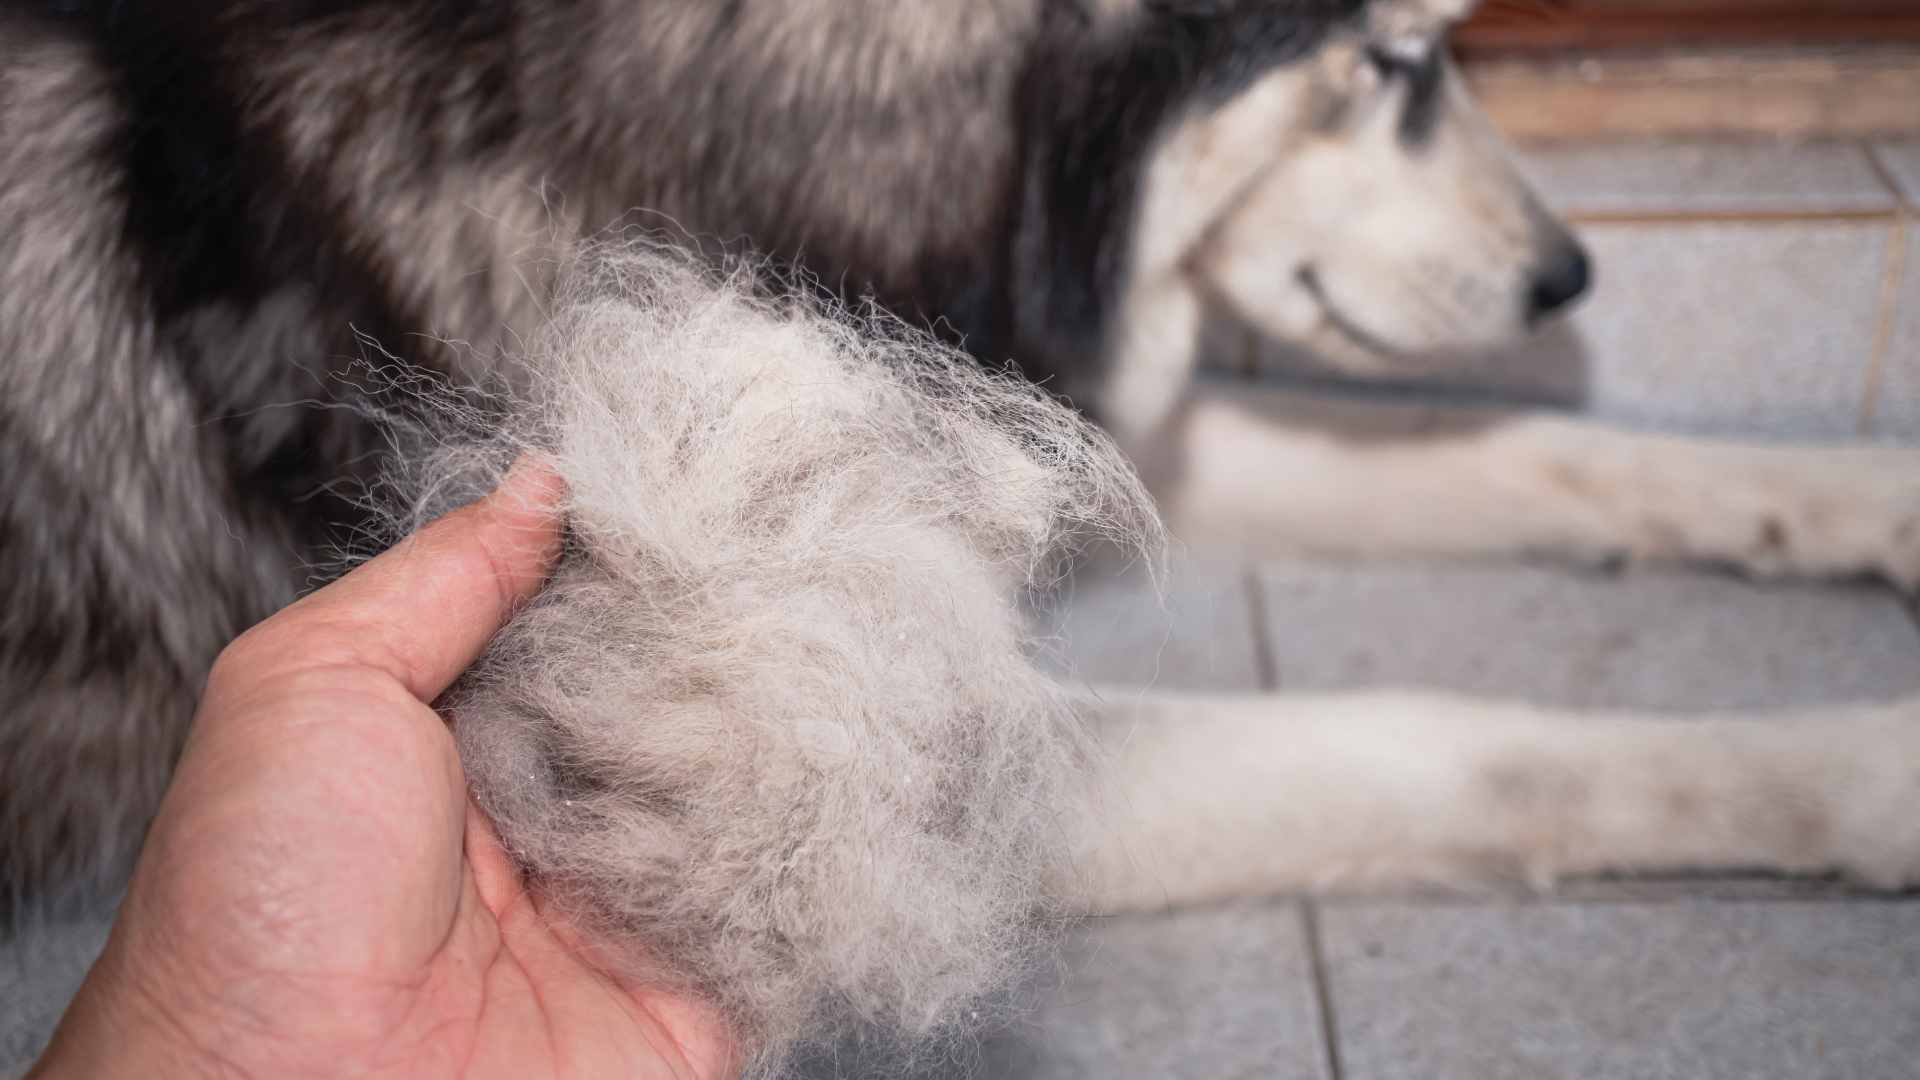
<point x="1893" y="275"/>
<point x="1880" y="169"/>
<point x="1322" y="990"/>
<point x="1266" y="666"/>
<point x="1755" y="216"/>
<point x="1890" y="292"/>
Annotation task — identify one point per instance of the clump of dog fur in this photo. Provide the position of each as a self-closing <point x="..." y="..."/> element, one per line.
<point x="773" y="731"/>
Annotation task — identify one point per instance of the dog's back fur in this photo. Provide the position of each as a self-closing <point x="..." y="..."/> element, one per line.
<point x="208" y="208"/>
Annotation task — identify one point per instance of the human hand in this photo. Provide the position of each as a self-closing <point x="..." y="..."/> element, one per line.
<point x="317" y="895"/>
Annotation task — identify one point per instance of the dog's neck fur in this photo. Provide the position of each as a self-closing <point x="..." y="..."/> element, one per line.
<point x="459" y="169"/>
<point x="625" y="124"/>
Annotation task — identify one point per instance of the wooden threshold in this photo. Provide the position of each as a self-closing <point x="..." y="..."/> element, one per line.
<point x="1798" y="92"/>
<point x="1618" y="31"/>
<point x="1607" y="24"/>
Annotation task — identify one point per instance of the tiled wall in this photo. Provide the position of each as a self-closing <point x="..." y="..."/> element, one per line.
<point x="1748" y="289"/>
<point x="1759" y="290"/>
<point x="1899" y="403"/>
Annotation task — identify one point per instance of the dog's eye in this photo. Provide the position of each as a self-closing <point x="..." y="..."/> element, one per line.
<point x="1400" y="58"/>
<point x="1414" y="63"/>
<point x="1383" y="63"/>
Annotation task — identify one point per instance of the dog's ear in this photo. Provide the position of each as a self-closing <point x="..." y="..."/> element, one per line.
<point x="1419" y="18"/>
<point x="1092" y="110"/>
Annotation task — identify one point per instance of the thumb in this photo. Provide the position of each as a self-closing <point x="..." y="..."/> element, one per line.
<point x="420" y="613"/>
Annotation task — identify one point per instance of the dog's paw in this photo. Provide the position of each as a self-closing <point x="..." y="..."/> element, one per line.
<point x="1827" y="514"/>
<point x="1822" y="536"/>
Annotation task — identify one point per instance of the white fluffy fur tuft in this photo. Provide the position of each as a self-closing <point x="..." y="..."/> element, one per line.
<point x="773" y="732"/>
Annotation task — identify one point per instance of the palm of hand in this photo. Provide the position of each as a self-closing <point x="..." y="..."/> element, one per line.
<point x="399" y="940"/>
<point x="319" y="897"/>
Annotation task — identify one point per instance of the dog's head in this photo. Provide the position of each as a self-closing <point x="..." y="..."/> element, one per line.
<point x="1389" y="223"/>
<point x="1317" y="169"/>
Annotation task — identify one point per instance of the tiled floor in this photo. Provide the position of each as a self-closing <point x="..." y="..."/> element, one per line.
<point x="1757" y="980"/>
<point x="1737" y="178"/>
<point x="1901" y="160"/>
<point x="1763" y="291"/>
<point x="1760" y="289"/>
<point x="1671" y="991"/>
<point x="1664" y="350"/>
<point x="39" y="971"/>
<point x="1898" y="405"/>
<point x="1651" y="639"/>
<point x="1766" y="291"/>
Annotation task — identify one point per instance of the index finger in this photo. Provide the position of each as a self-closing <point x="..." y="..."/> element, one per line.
<point x="423" y="611"/>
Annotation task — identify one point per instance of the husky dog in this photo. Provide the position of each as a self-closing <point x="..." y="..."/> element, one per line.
<point x="207" y="206"/>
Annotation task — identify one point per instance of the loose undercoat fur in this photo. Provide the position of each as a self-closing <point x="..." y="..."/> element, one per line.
<point x="773" y="733"/>
<point x="199" y="216"/>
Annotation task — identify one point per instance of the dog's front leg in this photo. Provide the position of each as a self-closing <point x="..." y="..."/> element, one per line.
<point x="1208" y="798"/>
<point x="1273" y="473"/>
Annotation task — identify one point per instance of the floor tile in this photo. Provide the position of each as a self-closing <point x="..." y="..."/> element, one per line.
<point x="1705" y="991"/>
<point x="1193" y="631"/>
<point x="1754" y="330"/>
<point x="1901" y="158"/>
<point x="1650" y="638"/>
<point x="1897" y="413"/>
<point x="1210" y="995"/>
<point x="1718" y="176"/>
<point x="39" y="971"/>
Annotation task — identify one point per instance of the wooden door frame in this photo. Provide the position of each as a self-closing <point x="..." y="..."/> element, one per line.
<point x="1529" y="25"/>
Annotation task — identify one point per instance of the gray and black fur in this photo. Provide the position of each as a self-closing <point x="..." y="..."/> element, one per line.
<point x="208" y="206"/>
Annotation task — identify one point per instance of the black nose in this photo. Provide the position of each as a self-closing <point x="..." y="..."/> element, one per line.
<point x="1561" y="279"/>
